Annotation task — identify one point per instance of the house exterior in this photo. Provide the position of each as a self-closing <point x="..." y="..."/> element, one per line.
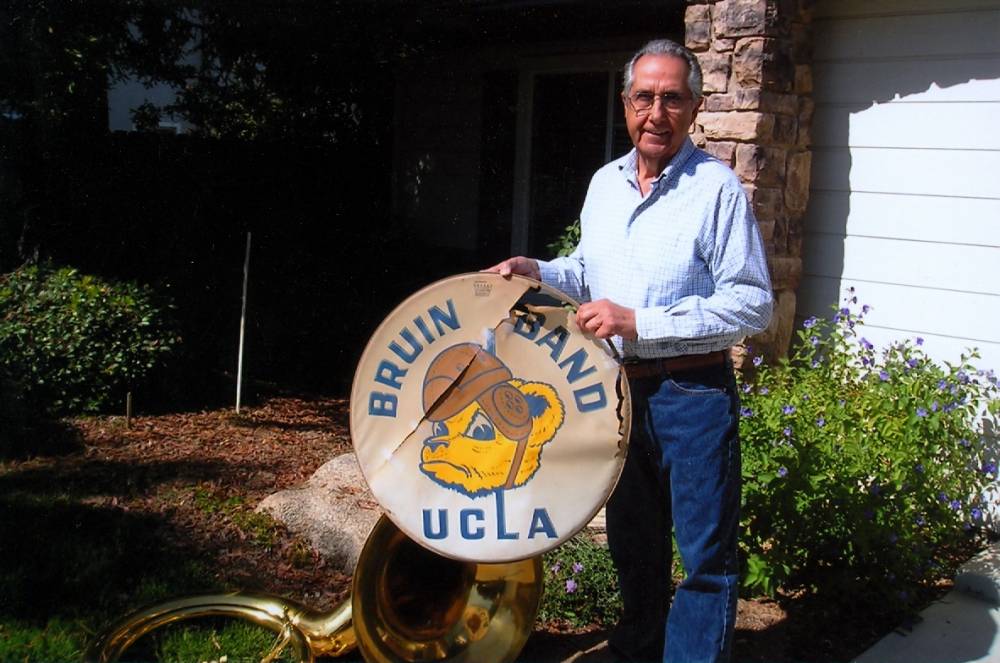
<point x="864" y="131"/>
<point x="904" y="201"/>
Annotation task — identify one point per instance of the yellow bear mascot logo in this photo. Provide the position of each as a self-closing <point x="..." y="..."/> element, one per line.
<point x="488" y="427"/>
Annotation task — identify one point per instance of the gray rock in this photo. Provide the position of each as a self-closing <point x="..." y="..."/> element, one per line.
<point x="334" y="511"/>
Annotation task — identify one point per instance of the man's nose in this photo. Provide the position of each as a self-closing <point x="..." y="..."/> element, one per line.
<point x="659" y="110"/>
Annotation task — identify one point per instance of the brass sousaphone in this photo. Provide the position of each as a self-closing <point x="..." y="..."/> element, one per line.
<point x="490" y="429"/>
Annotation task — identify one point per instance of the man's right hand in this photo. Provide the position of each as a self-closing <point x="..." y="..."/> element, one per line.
<point x="517" y="265"/>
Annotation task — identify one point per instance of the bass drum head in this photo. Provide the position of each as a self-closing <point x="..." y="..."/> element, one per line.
<point x="488" y="425"/>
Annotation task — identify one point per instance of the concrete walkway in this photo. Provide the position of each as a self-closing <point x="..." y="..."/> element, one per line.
<point x="961" y="627"/>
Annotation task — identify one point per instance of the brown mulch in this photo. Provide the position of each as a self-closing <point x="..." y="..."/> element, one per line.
<point x="195" y="475"/>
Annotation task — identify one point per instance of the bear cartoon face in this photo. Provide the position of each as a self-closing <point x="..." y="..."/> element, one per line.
<point x="469" y="452"/>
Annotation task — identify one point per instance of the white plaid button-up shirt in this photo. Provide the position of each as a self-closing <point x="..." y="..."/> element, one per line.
<point x="688" y="257"/>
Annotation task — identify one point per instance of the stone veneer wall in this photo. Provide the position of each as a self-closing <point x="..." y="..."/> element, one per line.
<point x="756" y="117"/>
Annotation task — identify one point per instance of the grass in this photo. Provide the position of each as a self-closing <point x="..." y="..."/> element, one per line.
<point x="88" y="566"/>
<point x="261" y="527"/>
<point x="69" y="568"/>
<point x="234" y="641"/>
<point x="56" y="640"/>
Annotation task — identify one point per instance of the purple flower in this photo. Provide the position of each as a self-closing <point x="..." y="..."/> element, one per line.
<point x="746" y="412"/>
<point x="920" y="341"/>
<point x="866" y="344"/>
<point x="782" y="471"/>
<point x="821" y="422"/>
<point x="787" y="431"/>
<point x="865" y="308"/>
<point x="934" y="406"/>
<point x="883" y="375"/>
<point x="810" y="322"/>
<point x="814" y="341"/>
<point x="577" y="567"/>
<point x="920" y="521"/>
<point x="865" y="361"/>
<point x="758" y="360"/>
<point x="921" y="412"/>
<point x="955" y="505"/>
<point x="845" y="311"/>
<point x="977" y="513"/>
<point x="942" y="385"/>
<point x="913" y="363"/>
<point x="942" y="497"/>
<point x="763" y="391"/>
<point x="555" y="567"/>
<point x="788" y="409"/>
<point x="989" y="468"/>
<point x="571" y="586"/>
<point x="919" y="468"/>
<point x="746" y="388"/>
<point x="965" y="443"/>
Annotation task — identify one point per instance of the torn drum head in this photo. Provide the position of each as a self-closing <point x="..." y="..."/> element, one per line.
<point x="488" y="425"/>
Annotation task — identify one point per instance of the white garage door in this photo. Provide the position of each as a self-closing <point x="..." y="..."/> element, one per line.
<point x="905" y="194"/>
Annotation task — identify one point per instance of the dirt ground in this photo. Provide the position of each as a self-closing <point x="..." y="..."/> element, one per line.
<point x="194" y="478"/>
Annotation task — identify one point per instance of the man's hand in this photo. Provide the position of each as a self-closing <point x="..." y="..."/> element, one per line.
<point x="604" y="319"/>
<point x="517" y="265"/>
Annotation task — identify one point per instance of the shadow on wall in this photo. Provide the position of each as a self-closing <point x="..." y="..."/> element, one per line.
<point x="858" y="66"/>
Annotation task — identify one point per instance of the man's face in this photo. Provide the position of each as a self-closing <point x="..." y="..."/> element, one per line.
<point x="659" y="134"/>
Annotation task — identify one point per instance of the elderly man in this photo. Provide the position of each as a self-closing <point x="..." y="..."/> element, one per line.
<point x="672" y="270"/>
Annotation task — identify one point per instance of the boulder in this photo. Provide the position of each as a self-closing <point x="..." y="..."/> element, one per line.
<point x="333" y="510"/>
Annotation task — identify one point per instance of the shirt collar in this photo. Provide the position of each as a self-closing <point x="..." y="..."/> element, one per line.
<point x="627" y="165"/>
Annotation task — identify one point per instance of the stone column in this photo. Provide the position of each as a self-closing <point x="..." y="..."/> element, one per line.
<point x="756" y="117"/>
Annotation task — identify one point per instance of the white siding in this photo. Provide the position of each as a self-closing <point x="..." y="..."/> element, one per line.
<point x="905" y="193"/>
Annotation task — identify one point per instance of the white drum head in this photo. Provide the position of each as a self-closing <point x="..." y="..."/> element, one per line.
<point x="488" y="425"/>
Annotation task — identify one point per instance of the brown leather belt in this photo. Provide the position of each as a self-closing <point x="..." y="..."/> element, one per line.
<point x="645" y="368"/>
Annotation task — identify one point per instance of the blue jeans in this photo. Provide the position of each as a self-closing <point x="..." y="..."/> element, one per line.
<point x="682" y="472"/>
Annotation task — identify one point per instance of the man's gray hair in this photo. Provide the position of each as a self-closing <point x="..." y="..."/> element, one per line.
<point x="673" y="49"/>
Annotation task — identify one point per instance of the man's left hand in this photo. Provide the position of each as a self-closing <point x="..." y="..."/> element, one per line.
<point x="605" y="319"/>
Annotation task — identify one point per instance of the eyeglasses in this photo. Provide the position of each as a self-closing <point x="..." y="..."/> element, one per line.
<point x="642" y="102"/>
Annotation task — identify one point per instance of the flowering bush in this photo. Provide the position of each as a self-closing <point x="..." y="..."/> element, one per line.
<point x="581" y="587"/>
<point x="861" y="469"/>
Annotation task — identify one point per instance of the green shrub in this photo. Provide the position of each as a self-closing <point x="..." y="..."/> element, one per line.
<point x="861" y="469"/>
<point x="567" y="241"/>
<point x="70" y="343"/>
<point x="581" y="587"/>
